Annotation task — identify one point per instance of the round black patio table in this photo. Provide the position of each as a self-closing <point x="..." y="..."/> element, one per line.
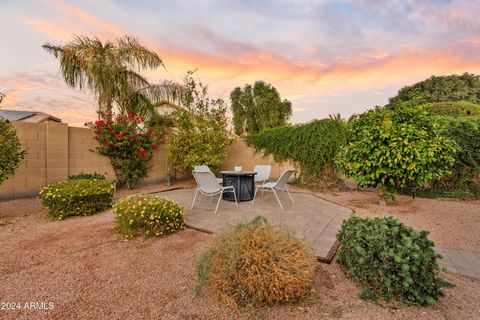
<point x="242" y="181"/>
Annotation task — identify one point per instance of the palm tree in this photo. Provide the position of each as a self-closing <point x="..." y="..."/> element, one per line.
<point x="111" y="71"/>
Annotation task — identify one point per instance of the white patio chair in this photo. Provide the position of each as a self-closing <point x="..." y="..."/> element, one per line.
<point x="280" y="185"/>
<point x="204" y="168"/>
<point x="208" y="186"/>
<point x="263" y="173"/>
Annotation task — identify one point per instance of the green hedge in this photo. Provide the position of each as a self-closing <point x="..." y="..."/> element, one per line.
<point x="76" y="197"/>
<point x="313" y="145"/>
<point x="390" y="260"/>
<point x="90" y="176"/>
<point x="455" y="108"/>
<point x="148" y="215"/>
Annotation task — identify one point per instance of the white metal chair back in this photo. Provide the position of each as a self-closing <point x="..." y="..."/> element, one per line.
<point x="206" y="182"/>
<point x="263" y="172"/>
<point x="282" y="181"/>
<point x="202" y="168"/>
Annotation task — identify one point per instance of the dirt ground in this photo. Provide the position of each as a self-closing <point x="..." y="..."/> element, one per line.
<point x="87" y="271"/>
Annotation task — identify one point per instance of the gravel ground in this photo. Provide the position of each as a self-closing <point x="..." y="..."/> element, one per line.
<point x="89" y="272"/>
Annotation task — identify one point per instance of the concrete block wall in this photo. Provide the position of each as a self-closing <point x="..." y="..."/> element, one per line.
<point x="55" y="151"/>
<point x="82" y="156"/>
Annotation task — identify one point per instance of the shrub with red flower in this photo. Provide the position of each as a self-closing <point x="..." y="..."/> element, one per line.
<point x="128" y="144"/>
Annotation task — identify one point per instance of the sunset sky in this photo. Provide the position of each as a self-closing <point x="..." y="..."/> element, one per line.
<point x="325" y="56"/>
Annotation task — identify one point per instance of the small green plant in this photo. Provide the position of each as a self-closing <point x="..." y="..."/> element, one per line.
<point x="256" y="264"/>
<point x="11" y="153"/>
<point x="76" y="197"/>
<point x="147" y="215"/>
<point x="390" y="260"/>
<point x="88" y="176"/>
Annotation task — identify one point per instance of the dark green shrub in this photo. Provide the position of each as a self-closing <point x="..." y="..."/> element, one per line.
<point x="256" y="263"/>
<point x="148" y="215"/>
<point x="465" y="178"/>
<point x="76" y="197"/>
<point x="390" y="260"/>
<point x="390" y="149"/>
<point x="313" y="145"/>
<point x="11" y="153"/>
<point x="89" y="176"/>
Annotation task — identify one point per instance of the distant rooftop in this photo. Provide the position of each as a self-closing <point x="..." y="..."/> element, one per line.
<point x="27" y="116"/>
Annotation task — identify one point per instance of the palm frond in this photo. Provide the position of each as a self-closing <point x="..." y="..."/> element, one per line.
<point x="130" y="51"/>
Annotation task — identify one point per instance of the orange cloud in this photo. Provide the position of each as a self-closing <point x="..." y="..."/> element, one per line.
<point x="297" y="78"/>
<point x="86" y="17"/>
<point x="73" y="20"/>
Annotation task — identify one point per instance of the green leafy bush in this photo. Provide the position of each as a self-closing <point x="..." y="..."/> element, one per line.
<point x="465" y="178"/>
<point x="11" y="153"/>
<point x="390" y="149"/>
<point x="89" y="176"/>
<point x="313" y="145"/>
<point x="76" y="197"/>
<point x="148" y="215"/>
<point x="457" y="108"/>
<point x="256" y="263"/>
<point x="390" y="260"/>
<point x="200" y="135"/>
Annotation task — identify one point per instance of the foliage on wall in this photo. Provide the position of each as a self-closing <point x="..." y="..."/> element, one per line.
<point x="313" y="145"/>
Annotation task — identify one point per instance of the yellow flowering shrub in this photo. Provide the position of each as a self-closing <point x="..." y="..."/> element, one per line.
<point x="148" y="215"/>
<point x="81" y="197"/>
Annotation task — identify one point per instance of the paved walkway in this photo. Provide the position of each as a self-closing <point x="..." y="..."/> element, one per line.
<point x="466" y="263"/>
<point x="314" y="219"/>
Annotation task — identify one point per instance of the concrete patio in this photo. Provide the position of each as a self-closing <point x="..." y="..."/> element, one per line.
<point x="314" y="219"/>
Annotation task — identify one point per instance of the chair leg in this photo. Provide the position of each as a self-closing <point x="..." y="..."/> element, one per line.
<point x="290" y="196"/>
<point x="194" y="197"/>
<point x="277" y="198"/>
<point x="255" y="194"/>
<point x="218" y="202"/>
<point x="235" y="196"/>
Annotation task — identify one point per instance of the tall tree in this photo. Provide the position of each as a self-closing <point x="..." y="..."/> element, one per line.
<point x="111" y="71"/>
<point x="258" y="107"/>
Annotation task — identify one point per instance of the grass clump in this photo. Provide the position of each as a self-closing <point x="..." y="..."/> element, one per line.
<point x="256" y="264"/>
<point x="147" y="215"/>
<point x="390" y="260"/>
<point x="76" y="197"/>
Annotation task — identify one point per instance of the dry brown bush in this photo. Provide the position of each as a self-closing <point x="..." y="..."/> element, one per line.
<point x="257" y="263"/>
